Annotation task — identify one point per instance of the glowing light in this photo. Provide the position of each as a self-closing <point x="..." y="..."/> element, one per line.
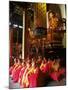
<point x="15" y="25"/>
<point x="20" y="27"/>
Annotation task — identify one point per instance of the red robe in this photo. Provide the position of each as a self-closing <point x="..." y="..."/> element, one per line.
<point x="11" y="69"/>
<point x="14" y="69"/>
<point x="49" y="66"/>
<point x="57" y="74"/>
<point x="33" y="77"/>
<point x="21" y="75"/>
<point x="16" y="73"/>
<point x="62" y="71"/>
<point x="44" y="68"/>
<point x="36" y="79"/>
<point x="24" y="79"/>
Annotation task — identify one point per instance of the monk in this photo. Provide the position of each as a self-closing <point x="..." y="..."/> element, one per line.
<point x="16" y="71"/>
<point x="12" y="67"/>
<point x="49" y="64"/>
<point x="36" y="77"/>
<point x="61" y="73"/>
<point x="33" y="75"/>
<point x="55" y="68"/>
<point x="43" y="66"/>
<point x="24" y="79"/>
<point x="21" y="73"/>
<point x="39" y="60"/>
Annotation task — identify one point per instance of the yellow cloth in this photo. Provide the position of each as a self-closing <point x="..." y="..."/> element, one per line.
<point x="27" y="72"/>
<point x="42" y="66"/>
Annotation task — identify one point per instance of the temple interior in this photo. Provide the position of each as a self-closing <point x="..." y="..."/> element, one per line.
<point x="37" y="35"/>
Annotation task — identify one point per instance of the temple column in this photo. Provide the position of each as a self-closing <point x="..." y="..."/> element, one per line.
<point x="23" y="36"/>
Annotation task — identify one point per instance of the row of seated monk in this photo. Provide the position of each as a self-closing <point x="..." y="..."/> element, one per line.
<point x="32" y="72"/>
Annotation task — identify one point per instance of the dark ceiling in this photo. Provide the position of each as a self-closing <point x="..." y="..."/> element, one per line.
<point x="15" y="11"/>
